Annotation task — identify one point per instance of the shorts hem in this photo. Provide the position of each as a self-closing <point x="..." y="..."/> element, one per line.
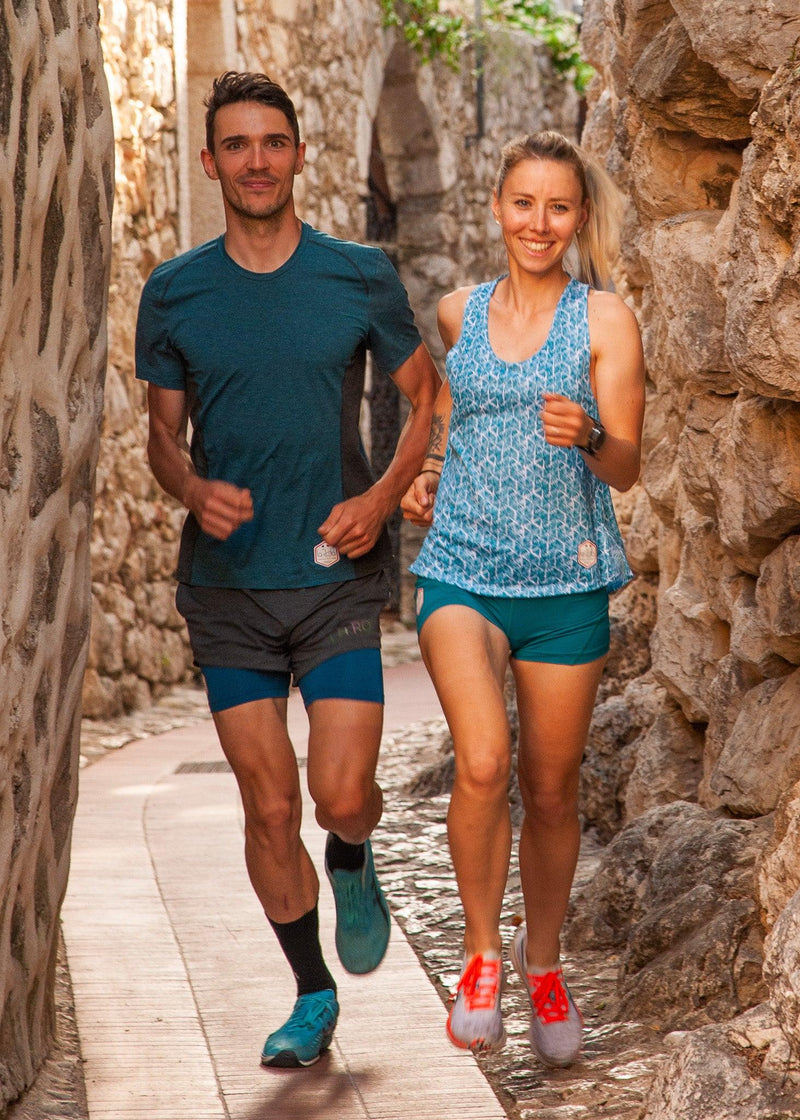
<point x="564" y="659"/>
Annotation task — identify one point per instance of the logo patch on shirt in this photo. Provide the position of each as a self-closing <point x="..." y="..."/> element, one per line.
<point x="326" y="555"/>
<point x="587" y="554"/>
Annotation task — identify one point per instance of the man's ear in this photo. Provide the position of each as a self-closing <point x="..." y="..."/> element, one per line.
<point x="209" y="163"/>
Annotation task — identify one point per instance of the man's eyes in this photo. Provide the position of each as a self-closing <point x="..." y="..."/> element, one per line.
<point x="237" y="145"/>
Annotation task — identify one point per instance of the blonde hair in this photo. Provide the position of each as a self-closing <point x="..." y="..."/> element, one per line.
<point x="597" y="243"/>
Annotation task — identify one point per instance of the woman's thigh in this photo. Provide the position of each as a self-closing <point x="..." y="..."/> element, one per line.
<point x="555" y="704"/>
<point x="467" y="656"/>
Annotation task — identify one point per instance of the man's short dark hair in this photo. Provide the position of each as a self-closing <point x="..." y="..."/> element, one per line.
<point x="233" y="86"/>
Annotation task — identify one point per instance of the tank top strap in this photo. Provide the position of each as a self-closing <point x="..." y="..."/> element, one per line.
<point x="476" y="309"/>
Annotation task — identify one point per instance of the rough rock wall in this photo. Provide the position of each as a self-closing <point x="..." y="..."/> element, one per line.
<point x="350" y="81"/>
<point x="137" y="644"/>
<point x="56" y="186"/>
<point x="696" y="109"/>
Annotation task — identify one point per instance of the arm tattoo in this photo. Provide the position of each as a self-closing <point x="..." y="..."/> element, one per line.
<point x="436" y="441"/>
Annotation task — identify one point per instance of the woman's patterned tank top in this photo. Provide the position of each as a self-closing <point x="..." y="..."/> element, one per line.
<point x="515" y="516"/>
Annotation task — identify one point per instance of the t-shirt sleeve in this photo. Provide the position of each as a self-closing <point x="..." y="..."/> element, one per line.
<point x="157" y="360"/>
<point x="393" y="335"/>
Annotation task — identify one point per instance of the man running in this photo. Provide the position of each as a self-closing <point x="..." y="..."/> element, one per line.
<point x="258" y="338"/>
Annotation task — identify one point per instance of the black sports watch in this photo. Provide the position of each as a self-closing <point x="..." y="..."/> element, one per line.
<point x="597" y="437"/>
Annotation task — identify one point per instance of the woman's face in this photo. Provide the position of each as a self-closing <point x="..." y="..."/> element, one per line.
<point x="540" y="208"/>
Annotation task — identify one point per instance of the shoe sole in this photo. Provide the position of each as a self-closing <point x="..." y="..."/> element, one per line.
<point x="478" y="1045"/>
<point x="288" y="1059"/>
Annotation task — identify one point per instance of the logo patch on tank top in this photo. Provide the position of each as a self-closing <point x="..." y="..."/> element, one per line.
<point x="326" y="555"/>
<point x="587" y="554"/>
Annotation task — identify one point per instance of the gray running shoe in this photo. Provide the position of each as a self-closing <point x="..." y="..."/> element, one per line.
<point x="556" y="1029"/>
<point x="475" y="1021"/>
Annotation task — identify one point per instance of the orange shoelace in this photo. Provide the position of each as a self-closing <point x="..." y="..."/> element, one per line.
<point x="548" y="996"/>
<point x="480" y="982"/>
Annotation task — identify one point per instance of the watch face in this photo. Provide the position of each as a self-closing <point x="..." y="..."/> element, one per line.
<point x="597" y="437"/>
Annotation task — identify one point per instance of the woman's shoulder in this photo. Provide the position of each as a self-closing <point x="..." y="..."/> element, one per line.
<point x="455" y="302"/>
<point x="608" y="305"/>
<point x="450" y="313"/>
<point x="609" y="316"/>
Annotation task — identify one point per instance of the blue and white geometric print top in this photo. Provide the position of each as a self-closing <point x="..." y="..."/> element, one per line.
<point x="515" y="516"/>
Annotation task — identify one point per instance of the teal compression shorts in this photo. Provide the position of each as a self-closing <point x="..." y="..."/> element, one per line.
<point x="355" y="675"/>
<point x="559" y="629"/>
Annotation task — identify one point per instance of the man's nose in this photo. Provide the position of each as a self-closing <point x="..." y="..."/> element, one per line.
<point x="258" y="157"/>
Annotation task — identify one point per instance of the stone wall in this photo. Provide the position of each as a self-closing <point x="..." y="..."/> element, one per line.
<point x="360" y="92"/>
<point x="56" y="181"/>
<point x="696" y="109"/>
<point x="137" y="644"/>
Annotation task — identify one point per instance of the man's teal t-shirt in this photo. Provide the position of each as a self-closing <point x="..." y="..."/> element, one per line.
<point x="273" y="368"/>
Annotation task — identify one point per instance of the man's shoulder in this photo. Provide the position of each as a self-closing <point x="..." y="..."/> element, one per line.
<point x="366" y="260"/>
<point x="179" y="270"/>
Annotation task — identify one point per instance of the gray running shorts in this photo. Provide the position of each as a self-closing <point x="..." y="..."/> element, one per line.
<point x="291" y="630"/>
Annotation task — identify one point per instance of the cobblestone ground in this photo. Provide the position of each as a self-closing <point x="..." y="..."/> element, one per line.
<point x="411" y="851"/>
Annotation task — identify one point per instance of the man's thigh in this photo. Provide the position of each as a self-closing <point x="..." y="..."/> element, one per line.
<point x="256" y="743"/>
<point x="343" y="744"/>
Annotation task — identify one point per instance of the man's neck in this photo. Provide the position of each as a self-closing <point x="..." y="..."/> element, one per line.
<point x="262" y="245"/>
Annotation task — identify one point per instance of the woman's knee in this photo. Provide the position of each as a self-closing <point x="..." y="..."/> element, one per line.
<point x="484" y="774"/>
<point x="551" y="806"/>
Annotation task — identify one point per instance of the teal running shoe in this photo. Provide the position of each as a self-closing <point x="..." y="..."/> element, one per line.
<point x="362" y="916"/>
<point x="305" y="1035"/>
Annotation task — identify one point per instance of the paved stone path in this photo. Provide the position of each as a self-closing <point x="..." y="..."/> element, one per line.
<point x="411" y="850"/>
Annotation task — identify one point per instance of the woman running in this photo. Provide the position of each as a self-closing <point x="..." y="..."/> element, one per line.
<point x="541" y="413"/>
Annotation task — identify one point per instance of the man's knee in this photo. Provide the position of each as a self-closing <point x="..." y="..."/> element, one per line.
<point x="346" y="804"/>
<point x="272" y="819"/>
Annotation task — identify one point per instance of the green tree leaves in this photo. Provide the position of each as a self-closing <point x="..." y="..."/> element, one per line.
<point x="442" y="29"/>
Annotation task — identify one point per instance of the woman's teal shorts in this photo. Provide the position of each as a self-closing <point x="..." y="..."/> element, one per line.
<point x="560" y="629"/>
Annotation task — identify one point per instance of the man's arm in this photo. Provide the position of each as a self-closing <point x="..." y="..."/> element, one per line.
<point x="353" y="526"/>
<point x="219" y="507"/>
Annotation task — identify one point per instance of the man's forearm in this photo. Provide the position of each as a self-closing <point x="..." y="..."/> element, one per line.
<point x="408" y="457"/>
<point x="171" y="466"/>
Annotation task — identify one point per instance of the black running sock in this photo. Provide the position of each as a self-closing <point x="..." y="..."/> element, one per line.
<point x="300" y="943"/>
<point x="340" y="856"/>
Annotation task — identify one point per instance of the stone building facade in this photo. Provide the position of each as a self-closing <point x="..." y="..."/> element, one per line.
<point x="696" y="110"/>
<point x="56" y="185"/>
<point x="377" y="123"/>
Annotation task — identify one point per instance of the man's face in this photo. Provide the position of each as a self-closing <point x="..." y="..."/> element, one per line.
<point x="255" y="159"/>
